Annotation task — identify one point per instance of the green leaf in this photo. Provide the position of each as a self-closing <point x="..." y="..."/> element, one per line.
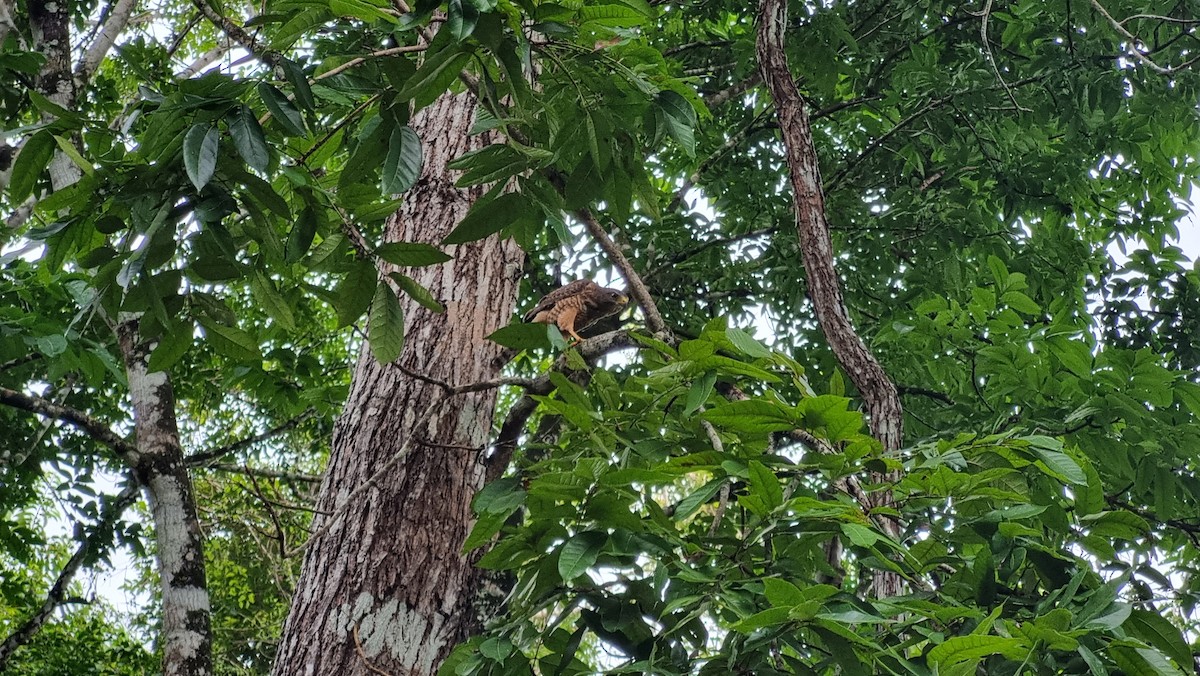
<point x="200" y="153"/>
<point x="765" y="485"/>
<point x="402" y="167"/>
<point x="172" y="345"/>
<point x="487" y="217"/>
<point x="962" y="648"/>
<point x="680" y="119"/>
<point x="1020" y="302"/>
<point x="1161" y="633"/>
<point x="751" y="415"/>
<point x="269" y="298"/>
<point x="461" y="17"/>
<point x="302" y="234"/>
<point x="417" y="292"/>
<point x="699" y="392"/>
<point x="579" y="553"/>
<point x="386" y="326"/>
<point x="781" y="593"/>
<point x="747" y="343"/>
<point x="295" y="77"/>
<point x="356" y="293"/>
<point x="524" y="336"/>
<point x="231" y="341"/>
<point x="249" y="139"/>
<point x="412" y="254"/>
<point x="766" y="618"/>
<point x="697" y="499"/>
<point x="1061" y="465"/>
<point x="500" y="496"/>
<point x="1075" y="355"/>
<point x="72" y="152"/>
<point x="438" y="71"/>
<point x="30" y="164"/>
<point x="281" y="109"/>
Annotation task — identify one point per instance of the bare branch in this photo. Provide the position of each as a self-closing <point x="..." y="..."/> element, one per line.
<point x="74" y="417"/>
<point x="885" y="412"/>
<point x="101" y="531"/>
<point x="206" y="59"/>
<point x="118" y="18"/>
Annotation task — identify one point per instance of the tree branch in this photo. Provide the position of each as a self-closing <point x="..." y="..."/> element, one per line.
<point x="101" y="531"/>
<point x="204" y="457"/>
<point x="74" y="417"/>
<point x="238" y="34"/>
<point x="883" y="405"/>
<point x="263" y="473"/>
<point x="518" y="415"/>
<point x="637" y="288"/>
<point x="118" y="19"/>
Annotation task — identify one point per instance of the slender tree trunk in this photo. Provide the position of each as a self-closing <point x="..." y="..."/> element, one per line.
<point x="884" y="413"/>
<point x="387" y="586"/>
<point x="51" y="27"/>
<point x="186" y="632"/>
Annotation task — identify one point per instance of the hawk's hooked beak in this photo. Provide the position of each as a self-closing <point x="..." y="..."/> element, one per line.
<point x="623" y="299"/>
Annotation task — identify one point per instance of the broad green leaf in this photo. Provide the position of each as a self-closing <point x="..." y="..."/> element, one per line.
<point x="697" y="499"/>
<point x="231" y="342"/>
<point x="281" y="109"/>
<point x="172" y="345"/>
<point x="781" y="593"/>
<point x="269" y="298"/>
<point x="489" y="217"/>
<point x="302" y="234"/>
<point x="962" y="648"/>
<point x="751" y="415"/>
<point x="402" y="167"/>
<point x="411" y="254"/>
<point x="747" y="343"/>
<point x="680" y="119"/>
<point x="523" y="336"/>
<point x="249" y="139"/>
<point x="1161" y="633"/>
<point x="356" y="293"/>
<point x="417" y="292"/>
<point x="579" y="553"/>
<point x="699" y="392"/>
<point x="200" y="153"/>
<point x="765" y="485"/>
<point x="386" y="325"/>
<point x="30" y="163"/>
<point x="438" y="71"/>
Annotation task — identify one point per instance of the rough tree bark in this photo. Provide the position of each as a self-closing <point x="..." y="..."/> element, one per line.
<point x="884" y="413"/>
<point x="387" y="586"/>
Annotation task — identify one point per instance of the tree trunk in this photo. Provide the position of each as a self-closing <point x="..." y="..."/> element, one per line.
<point x="186" y="627"/>
<point x="50" y="24"/>
<point x="387" y="586"/>
<point x="884" y="413"/>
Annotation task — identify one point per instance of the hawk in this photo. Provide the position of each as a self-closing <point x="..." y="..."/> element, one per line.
<point x="576" y="306"/>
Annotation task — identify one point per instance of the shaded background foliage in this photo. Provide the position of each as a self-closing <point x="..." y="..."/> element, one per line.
<point x="983" y="167"/>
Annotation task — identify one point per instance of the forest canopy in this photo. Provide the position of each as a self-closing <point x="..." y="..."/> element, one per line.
<point x="909" y="385"/>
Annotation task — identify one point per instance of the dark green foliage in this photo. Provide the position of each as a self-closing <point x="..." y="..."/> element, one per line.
<point x="1006" y="220"/>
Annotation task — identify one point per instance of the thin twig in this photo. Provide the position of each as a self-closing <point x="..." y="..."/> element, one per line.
<point x="987" y="49"/>
<point x="264" y="473"/>
<point x="221" y="451"/>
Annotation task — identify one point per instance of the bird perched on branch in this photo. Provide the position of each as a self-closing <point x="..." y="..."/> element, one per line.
<point x="576" y="306"/>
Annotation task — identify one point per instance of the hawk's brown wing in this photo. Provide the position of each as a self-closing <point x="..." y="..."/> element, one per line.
<point x="548" y="301"/>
